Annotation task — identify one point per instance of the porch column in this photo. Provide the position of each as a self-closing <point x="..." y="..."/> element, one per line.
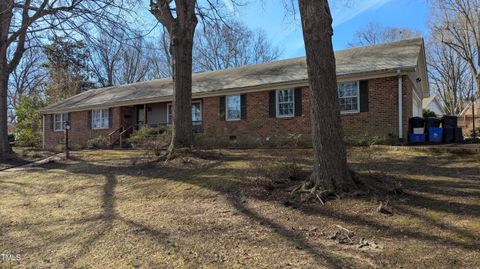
<point x="145" y="121"/>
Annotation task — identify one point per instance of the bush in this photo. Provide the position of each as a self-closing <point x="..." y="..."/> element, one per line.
<point x="27" y="138"/>
<point x="152" y="139"/>
<point x="98" y="142"/>
<point x="428" y="113"/>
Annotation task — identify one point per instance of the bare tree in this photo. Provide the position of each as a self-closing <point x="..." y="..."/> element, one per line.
<point x="24" y="20"/>
<point x="458" y="24"/>
<point x="135" y="62"/>
<point x="222" y="46"/>
<point x="179" y="18"/>
<point x="106" y="53"/>
<point x="449" y="76"/>
<point x="374" y="33"/>
<point x="330" y="170"/>
<point x="28" y="79"/>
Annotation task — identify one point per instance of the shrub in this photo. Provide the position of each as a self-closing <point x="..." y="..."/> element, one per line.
<point x="27" y="138"/>
<point x="428" y="113"/>
<point x="363" y="140"/>
<point x="152" y="139"/>
<point x="11" y="138"/>
<point x="98" y="142"/>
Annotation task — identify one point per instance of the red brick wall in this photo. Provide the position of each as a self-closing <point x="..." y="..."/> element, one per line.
<point x="381" y="120"/>
<point x="79" y="133"/>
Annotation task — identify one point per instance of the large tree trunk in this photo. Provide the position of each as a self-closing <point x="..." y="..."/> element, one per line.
<point x="181" y="29"/>
<point x="330" y="170"/>
<point x="4" y="145"/>
<point x="5" y="20"/>
<point x="181" y="49"/>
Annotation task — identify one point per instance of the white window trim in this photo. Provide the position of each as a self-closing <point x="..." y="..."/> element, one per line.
<point x="226" y="107"/>
<point x="62" y="120"/>
<point x="108" y="120"/>
<point x="358" y="98"/>
<point x="277" y="105"/>
<point x="195" y="102"/>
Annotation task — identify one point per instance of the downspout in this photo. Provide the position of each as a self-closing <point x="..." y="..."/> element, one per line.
<point x="43" y="131"/>
<point x="400" y="106"/>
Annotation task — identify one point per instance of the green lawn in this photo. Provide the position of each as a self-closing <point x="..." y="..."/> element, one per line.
<point x="110" y="209"/>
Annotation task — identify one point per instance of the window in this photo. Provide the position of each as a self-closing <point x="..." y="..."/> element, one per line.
<point x="348" y="94"/>
<point x="196" y="113"/>
<point x="285" y="103"/>
<point x="100" y="119"/>
<point x="59" y="121"/>
<point x="233" y="107"/>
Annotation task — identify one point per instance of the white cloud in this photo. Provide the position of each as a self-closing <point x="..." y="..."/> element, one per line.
<point x="343" y="14"/>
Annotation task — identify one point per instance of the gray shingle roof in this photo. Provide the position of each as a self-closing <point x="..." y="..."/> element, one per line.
<point x="379" y="58"/>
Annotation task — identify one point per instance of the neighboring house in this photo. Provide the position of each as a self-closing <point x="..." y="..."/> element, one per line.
<point x="433" y="104"/>
<point x="465" y="118"/>
<point x="377" y="87"/>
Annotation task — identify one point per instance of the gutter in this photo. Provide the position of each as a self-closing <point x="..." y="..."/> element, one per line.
<point x="257" y="88"/>
<point x="400" y="106"/>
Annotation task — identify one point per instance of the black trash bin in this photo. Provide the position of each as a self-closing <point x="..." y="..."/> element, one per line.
<point x="448" y="135"/>
<point x="415" y="122"/>
<point x="458" y="135"/>
<point x="449" y="122"/>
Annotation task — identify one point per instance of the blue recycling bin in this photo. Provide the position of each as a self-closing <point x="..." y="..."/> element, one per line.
<point x="416" y="138"/>
<point x="435" y="135"/>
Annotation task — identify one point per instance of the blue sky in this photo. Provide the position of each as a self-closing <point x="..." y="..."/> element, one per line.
<point x="285" y="31"/>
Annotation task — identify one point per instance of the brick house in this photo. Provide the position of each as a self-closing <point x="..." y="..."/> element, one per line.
<point x="380" y="87"/>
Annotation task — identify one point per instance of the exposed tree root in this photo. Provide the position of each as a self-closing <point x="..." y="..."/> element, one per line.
<point x="364" y="186"/>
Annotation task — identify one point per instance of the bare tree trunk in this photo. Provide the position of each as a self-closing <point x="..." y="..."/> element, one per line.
<point x="4" y="144"/>
<point x="181" y="29"/>
<point x="5" y="20"/>
<point x="330" y="170"/>
<point x="181" y="49"/>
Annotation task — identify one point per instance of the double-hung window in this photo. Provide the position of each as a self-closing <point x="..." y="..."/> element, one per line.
<point x="59" y="121"/>
<point x="100" y="119"/>
<point x="196" y="113"/>
<point x="233" y="107"/>
<point x="285" y="103"/>
<point x="348" y="95"/>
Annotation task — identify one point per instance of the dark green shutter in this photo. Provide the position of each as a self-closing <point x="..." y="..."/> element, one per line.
<point x="364" y="96"/>
<point x="52" y="122"/>
<point x="89" y="120"/>
<point x="110" y="118"/>
<point x="298" y="102"/>
<point x="243" y="106"/>
<point x="272" y="106"/>
<point x="69" y="119"/>
<point x="221" y="111"/>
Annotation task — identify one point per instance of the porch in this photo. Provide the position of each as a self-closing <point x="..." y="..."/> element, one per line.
<point x="157" y="116"/>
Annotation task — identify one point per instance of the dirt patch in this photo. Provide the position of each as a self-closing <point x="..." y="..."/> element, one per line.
<point x="99" y="210"/>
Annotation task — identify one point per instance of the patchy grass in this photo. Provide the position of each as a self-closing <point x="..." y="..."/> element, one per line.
<point x="112" y="209"/>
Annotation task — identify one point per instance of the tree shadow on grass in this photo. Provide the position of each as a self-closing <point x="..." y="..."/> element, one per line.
<point x="202" y="178"/>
